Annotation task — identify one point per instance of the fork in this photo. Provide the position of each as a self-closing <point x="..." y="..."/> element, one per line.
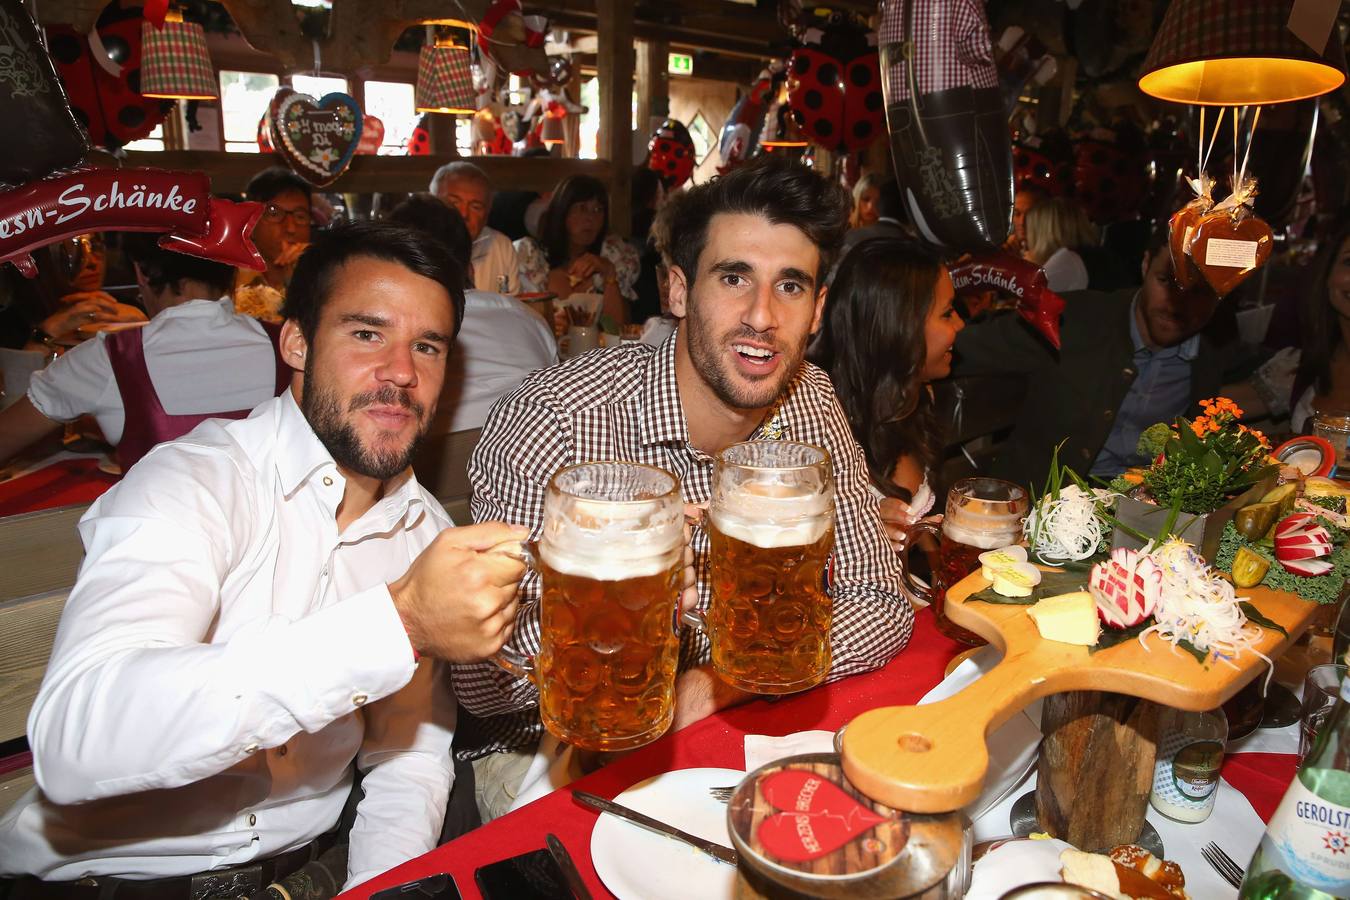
<point x="1228" y="870"/>
<point x="722" y="793"/>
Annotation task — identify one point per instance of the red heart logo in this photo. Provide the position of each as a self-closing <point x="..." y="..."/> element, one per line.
<point x="819" y="817"/>
<point x="1226" y="252"/>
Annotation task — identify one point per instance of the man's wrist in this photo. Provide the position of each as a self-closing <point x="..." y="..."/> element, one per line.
<point x="398" y="595"/>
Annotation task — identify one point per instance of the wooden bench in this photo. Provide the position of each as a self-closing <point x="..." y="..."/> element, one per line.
<point x="27" y="630"/>
<point x="40" y="551"/>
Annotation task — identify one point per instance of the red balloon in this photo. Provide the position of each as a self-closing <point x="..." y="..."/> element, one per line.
<point x="105" y="93"/>
<point x="1036" y="303"/>
<point x="1108" y="181"/>
<point x="670" y="153"/>
<point x="834" y="86"/>
<point x="179" y="203"/>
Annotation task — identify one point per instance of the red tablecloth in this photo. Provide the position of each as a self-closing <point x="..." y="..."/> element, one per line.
<point x="63" y="483"/>
<point x="719" y="741"/>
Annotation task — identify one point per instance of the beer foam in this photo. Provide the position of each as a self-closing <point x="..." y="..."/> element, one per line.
<point x="767" y="520"/>
<point x="981" y="538"/>
<point x="609" y="566"/>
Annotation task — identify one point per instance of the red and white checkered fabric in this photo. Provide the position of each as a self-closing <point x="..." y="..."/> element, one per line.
<point x="951" y="46"/>
<point x="175" y="61"/>
<point x="444" y="80"/>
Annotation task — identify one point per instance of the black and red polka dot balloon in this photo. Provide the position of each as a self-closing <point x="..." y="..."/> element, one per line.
<point x="834" y="84"/>
<point x="1109" y="182"/>
<point x="670" y="153"/>
<point x="108" y="105"/>
<point x="1044" y="162"/>
<point x="419" y="144"/>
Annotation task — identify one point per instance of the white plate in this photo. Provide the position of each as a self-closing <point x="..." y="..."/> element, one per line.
<point x="637" y="864"/>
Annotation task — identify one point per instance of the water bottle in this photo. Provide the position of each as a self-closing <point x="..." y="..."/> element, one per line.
<point x="1305" y="852"/>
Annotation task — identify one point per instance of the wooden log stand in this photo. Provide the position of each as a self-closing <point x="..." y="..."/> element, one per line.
<point x="1095" y="769"/>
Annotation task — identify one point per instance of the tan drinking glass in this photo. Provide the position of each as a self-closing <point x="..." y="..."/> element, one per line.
<point x="610" y="562"/>
<point x="982" y="514"/>
<point x="771" y="531"/>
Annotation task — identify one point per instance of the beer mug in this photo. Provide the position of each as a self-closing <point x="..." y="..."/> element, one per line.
<point x="610" y="560"/>
<point x="770" y="531"/>
<point x="982" y="514"/>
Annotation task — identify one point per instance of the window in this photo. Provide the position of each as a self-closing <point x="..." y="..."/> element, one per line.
<point x="464" y="135"/>
<point x="154" y="140"/>
<point x="392" y="103"/>
<point x="243" y="103"/>
<point x="318" y="85"/>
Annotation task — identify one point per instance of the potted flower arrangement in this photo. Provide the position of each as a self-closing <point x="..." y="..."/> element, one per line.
<point x="1203" y="471"/>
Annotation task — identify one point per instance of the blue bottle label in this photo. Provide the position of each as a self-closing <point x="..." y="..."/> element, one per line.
<point x="1312" y="838"/>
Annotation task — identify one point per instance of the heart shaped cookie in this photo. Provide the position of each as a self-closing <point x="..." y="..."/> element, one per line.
<point x="1226" y="252"/>
<point x="817" y="818"/>
<point x="317" y="138"/>
<point x="1183" y="224"/>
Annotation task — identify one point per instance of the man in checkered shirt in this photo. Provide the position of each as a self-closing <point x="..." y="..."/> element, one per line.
<point x="747" y="254"/>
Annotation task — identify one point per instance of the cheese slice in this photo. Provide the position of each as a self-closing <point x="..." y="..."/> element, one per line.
<point x="1067" y="618"/>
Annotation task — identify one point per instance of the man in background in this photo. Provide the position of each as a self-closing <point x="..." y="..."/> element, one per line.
<point x="468" y="189"/>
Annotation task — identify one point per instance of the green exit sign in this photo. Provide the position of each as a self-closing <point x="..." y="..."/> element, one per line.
<point x="680" y="64"/>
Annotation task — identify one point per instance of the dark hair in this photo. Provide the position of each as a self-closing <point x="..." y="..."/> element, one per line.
<point x="271" y="182"/>
<point x="872" y="345"/>
<point x="313" y="279"/>
<point x="781" y="190"/>
<point x="573" y="190"/>
<point x="433" y="215"/>
<point x="162" y="267"/>
<point x="1319" y="332"/>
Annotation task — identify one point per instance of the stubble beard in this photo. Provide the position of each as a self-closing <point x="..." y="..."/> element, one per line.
<point x="705" y="354"/>
<point x="323" y="410"/>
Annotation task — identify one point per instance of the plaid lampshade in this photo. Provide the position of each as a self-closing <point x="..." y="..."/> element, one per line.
<point x="552" y="131"/>
<point x="1237" y="53"/>
<point x="444" y="82"/>
<point x="175" y="63"/>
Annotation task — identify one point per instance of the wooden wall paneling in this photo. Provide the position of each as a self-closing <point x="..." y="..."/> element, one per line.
<point x="39" y="551"/>
<point x="614" y="22"/>
<point x="689" y="96"/>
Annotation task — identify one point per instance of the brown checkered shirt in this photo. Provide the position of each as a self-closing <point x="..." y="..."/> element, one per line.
<point x="624" y="404"/>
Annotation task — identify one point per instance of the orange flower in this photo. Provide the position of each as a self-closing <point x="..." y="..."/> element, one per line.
<point x="1200" y="426"/>
<point x="1218" y="406"/>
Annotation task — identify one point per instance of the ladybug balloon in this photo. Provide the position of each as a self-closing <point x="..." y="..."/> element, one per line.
<point x="670" y="153"/>
<point x="1110" y="178"/>
<point x="1045" y="163"/>
<point x="102" y="75"/>
<point x="834" y="84"/>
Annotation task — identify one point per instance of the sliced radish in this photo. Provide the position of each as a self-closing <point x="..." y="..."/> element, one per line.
<point x="1308" y="568"/>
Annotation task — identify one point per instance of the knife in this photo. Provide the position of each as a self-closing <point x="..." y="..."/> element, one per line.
<point x="569" y="868"/>
<point x="712" y="848"/>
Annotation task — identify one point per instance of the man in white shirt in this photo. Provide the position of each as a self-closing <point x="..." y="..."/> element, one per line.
<point x="249" y="615"/>
<point x="467" y="188"/>
<point x="201" y="360"/>
<point x="501" y="340"/>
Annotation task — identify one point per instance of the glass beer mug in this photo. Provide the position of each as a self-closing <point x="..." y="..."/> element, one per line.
<point x="610" y="560"/>
<point x="982" y="514"/>
<point x="770" y="531"/>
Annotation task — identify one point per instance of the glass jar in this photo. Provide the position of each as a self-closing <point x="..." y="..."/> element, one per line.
<point x="1333" y="426"/>
<point x="1186" y="770"/>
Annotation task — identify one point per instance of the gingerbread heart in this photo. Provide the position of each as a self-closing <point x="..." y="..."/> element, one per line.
<point x="317" y="138"/>
<point x="1226" y="252"/>
<point x="1182" y="225"/>
<point x="818" y="816"/>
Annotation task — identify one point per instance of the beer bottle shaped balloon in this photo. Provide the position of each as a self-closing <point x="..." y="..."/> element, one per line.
<point x="1305" y="852"/>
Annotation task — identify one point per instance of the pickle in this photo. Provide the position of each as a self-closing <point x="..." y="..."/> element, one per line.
<point x="1252" y="522"/>
<point x="1283" y="497"/>
<point x="1249" y="568"/>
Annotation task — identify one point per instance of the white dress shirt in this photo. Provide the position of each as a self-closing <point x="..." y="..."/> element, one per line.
<point x="224" y="657"/>
<point x="202" y="358"/>
<point x="495" y="256"/>
<point x="500" y="342"/>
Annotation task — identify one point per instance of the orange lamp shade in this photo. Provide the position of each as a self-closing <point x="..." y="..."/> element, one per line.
<point x="1237" y="53"/>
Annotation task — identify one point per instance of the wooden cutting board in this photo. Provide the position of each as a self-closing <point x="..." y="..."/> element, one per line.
<point x="933" y="758"/>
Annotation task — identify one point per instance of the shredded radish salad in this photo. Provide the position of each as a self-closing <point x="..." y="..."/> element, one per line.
<point x="1197" y="605"/>
<point x="1070" y="528"/>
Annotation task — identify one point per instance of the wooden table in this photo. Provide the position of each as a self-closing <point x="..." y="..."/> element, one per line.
<point x="718" y="741"/>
